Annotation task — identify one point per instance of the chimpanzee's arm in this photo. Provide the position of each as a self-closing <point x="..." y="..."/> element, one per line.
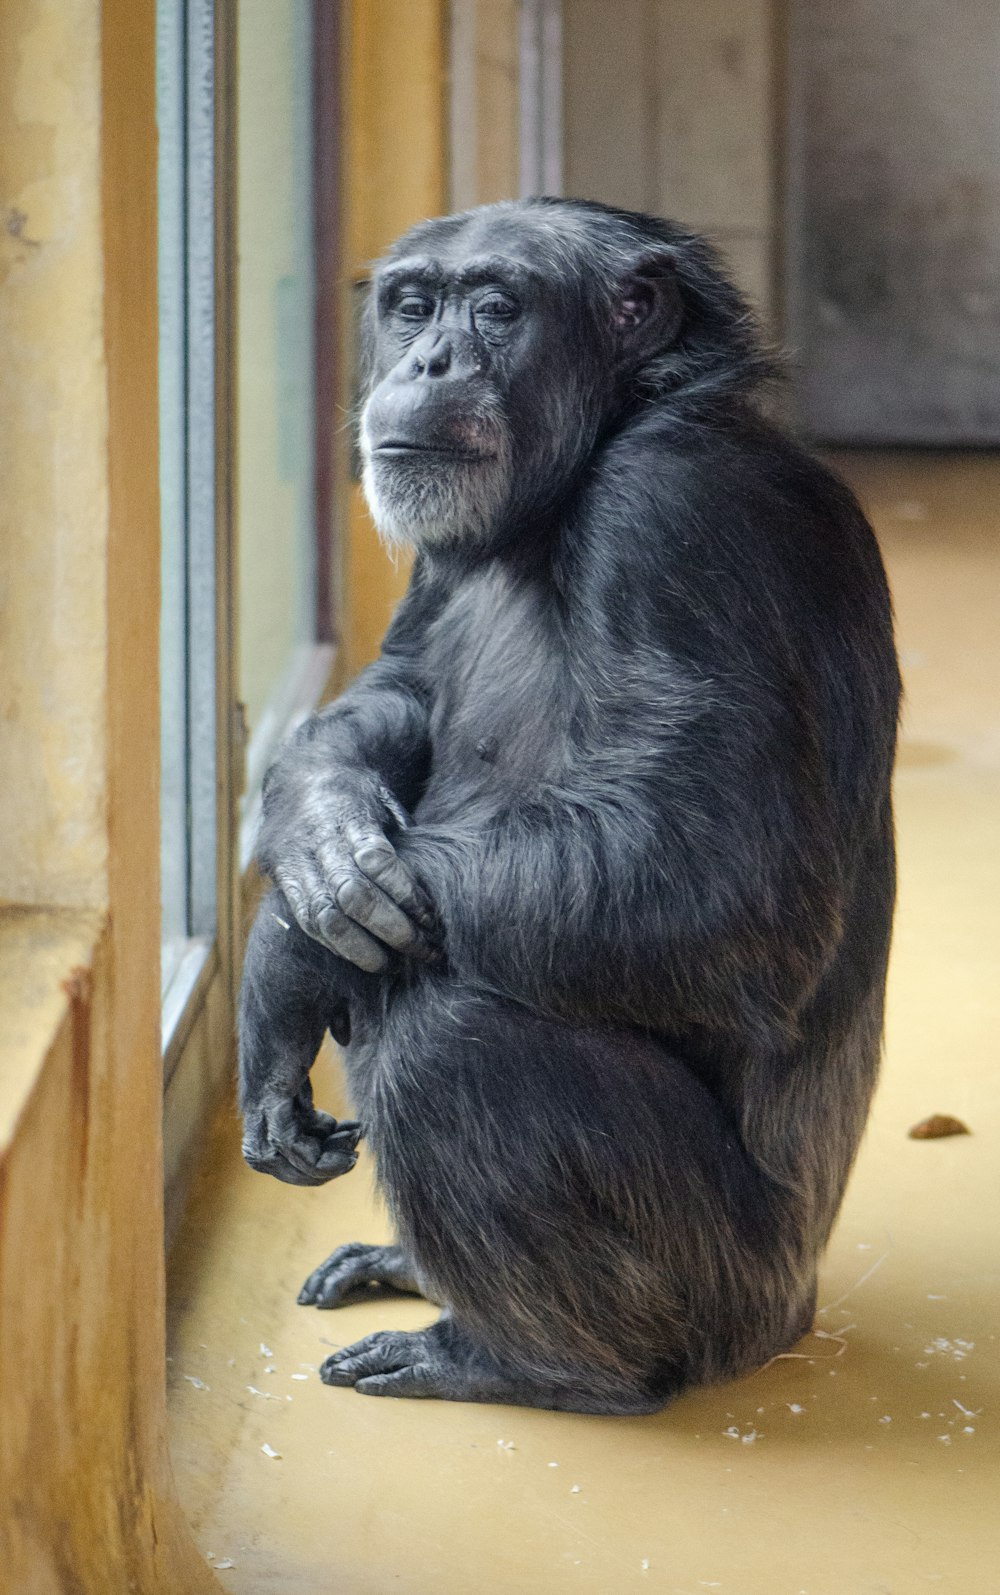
<point x="293" y="990"/>
<point x="336" y="796"/>
<point x="700" y="887"/>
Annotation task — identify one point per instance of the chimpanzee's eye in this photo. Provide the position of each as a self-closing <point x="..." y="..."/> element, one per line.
<point x="496" y="307"/>
<point x="415" y="307"/>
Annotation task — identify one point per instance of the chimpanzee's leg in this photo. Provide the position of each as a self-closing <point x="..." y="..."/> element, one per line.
<point x="579" y="1204"/>
<point x="293" y="990"/>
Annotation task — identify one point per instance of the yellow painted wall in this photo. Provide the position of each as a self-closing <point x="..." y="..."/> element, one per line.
<point x="53" y="452"/>
<point x="395" y="175"/>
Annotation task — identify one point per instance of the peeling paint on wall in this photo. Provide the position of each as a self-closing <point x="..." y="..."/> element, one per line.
<point x="53" y="457"/>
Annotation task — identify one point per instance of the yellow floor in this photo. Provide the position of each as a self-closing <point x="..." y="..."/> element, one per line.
<point x="870" y="1463"/>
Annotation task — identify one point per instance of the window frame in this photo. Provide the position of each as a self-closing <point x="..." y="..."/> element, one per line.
<point x="194" y="750"/>
<point x="197" y="1001"/>
<point x="198" y="1014"/>
<point x="541" y="97"/>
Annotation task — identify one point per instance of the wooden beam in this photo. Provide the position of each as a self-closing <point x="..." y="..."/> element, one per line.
<point x="85" y="1480"/>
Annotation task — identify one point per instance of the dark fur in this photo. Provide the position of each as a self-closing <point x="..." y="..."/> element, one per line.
<point x="636" y="744"/>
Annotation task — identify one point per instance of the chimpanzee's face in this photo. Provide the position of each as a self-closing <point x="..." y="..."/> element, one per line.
<point x="486" y="381"/>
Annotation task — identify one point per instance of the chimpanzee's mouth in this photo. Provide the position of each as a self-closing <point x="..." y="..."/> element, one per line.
<point x="400" y="449"/>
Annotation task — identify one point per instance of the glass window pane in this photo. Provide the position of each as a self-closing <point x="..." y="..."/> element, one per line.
<point x="201" y="465"/>
<point x="189" y="819"/>
<point x="276" y="389"/>
<point x="170" y="97"/>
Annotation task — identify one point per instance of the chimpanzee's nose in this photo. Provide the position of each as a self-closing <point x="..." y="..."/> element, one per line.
<point x="434" y="361"/>
<point x="444" y="352"/>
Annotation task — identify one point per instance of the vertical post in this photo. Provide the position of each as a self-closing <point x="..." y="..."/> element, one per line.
<point x="541" y="97"/>
<point x="463" y="121"/>
<point x="85" y="1479"/>
<point x="484" y="93"/>
<point x="230" y="728"/>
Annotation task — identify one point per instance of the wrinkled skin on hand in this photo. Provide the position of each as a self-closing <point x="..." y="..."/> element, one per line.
<point x="326" y="842"/>
<point x="296" y="1142"/>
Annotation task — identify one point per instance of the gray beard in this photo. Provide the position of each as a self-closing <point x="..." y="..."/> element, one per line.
<point x="428" y="502"/>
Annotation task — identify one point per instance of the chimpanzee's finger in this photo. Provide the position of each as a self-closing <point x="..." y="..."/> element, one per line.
<point x="378" y="859"/>
<point x="277" y="1158"/>
<point x="348" y="940"/>
<point x="348" y="911"/>
<point x="364" y="902"/>
<point x="280" y="1168"/>
<point x="290" y="1138"/>
<point x="339" y="1153"/>
<point x="305" y="893"/>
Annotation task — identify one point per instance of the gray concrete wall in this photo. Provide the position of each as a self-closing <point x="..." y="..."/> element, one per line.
<point x="894" y="219"/>
<point x="670" y="107"/>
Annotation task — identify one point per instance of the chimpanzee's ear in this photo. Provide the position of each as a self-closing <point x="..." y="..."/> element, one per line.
<point x="648" y="306"/>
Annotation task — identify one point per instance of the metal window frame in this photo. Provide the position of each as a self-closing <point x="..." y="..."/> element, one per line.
<point x="202" y="591"/>
<point x="172" y="367"/>
<point x="186" y="110"/>
<point x="196" y="59"/>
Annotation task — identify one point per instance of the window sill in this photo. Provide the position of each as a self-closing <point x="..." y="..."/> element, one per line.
<point x="193" y="967"/>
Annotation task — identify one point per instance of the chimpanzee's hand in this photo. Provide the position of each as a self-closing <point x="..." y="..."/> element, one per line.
<point x="289" y="1138"/>
<point x="325" y="841"/>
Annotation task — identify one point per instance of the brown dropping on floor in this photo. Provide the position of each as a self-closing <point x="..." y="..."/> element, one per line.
<point x="937" y="1127"/>
<point x="870" y="1462"/>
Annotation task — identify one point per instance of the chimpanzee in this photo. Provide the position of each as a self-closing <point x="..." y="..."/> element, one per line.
<point x="592" y="872"/>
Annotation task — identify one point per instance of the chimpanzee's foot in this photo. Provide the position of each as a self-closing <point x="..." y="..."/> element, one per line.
<point x="440" y="1363"/>
<point x="355" y="1267"/>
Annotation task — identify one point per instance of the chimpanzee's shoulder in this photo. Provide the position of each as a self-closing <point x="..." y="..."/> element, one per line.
<point x="730" y="470"/>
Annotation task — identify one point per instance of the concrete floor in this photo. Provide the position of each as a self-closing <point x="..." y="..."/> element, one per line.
<point x="870" y="1463"/>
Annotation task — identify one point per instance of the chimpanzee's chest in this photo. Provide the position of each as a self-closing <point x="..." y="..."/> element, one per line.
<point x="502" y="691"/>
